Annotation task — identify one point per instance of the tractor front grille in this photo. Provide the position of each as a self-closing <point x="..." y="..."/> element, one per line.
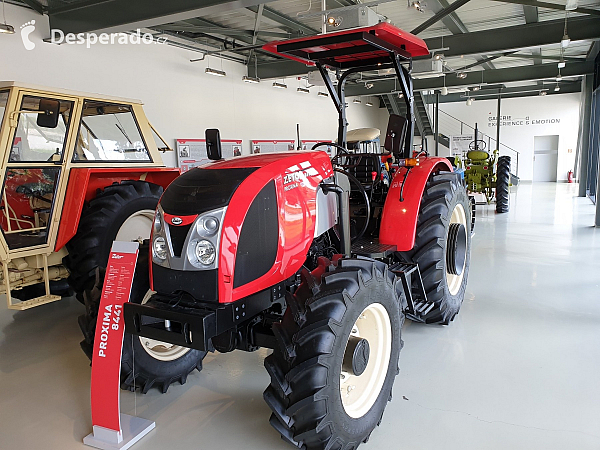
<point x="178" y="235"/>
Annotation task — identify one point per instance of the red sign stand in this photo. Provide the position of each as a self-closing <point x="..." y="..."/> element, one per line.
<point x="111" y="429"/>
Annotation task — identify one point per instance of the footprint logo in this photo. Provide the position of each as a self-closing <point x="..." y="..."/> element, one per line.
<point x="26" y="29"/>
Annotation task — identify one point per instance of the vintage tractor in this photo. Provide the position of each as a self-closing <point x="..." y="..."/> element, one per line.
<point x="318" y="259"/>
<point x="487" y="174"/>
<point x="78" y="171"/>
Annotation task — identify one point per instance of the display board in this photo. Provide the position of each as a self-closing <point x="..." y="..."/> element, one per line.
<point x="192" y="152"/>
<point x="459" y="144"/>
<point x="266" y="146"/>
<point x="309" y="143"/>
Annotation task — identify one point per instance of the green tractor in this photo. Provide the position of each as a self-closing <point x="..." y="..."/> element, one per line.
<point x="487" y="174"/>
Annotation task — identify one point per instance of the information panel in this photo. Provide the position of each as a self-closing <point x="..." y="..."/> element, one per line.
<point x="263" y="146"/>
<point x="308" y="144"/>
<point x="192" y="152"/>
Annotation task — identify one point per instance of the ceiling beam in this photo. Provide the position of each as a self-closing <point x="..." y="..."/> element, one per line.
<point x="485" y="77"/>
<point x="124" y="15"/>
<point x="36" y="6"/>
<point x="439" y="15"/>
<point x="222" y="31"/>
<point x="513" y="92"/>
<point x="556" y="6"/>
<point x="287" y="22"/>
<point x="477" y="43"/>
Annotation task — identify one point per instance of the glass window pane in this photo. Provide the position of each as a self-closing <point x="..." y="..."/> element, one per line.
<point x="3" y="100"/>
<point x="109" y="132"/>
<point x="36" y="140"/>
<point x="26" y="205"/>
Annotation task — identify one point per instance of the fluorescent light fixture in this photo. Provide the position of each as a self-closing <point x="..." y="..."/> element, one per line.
<point x="565" y="41"/>
<point x="416" y="4"/>
<point x="557" y="88"/>
<point x="303" y="90"/>
<point x="356" y="100"/>
<point x="369" y="104"/>
<point x="469" y="101"/>
<point x="323" y="94"/>
<point x="6" y="28"/>
<point x="279" y="85"/>
<point x="571" y="5"/>
<point x="461" y="75"/>
<point x="476" y="88"/>
<point x="444" y="91"/>
<point x="368" y="85"/>
<point x="247" y="79"/>
<point x="215" y="72"/>
<point x="400" y="95"/>
<point x="544" y="92"/>
<point x="561" y="64"/>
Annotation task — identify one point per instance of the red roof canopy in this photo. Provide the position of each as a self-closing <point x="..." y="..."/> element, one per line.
<point x="350" y="48"/>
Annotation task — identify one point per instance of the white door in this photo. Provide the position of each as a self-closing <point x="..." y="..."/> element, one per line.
<point x="545" y="158"/>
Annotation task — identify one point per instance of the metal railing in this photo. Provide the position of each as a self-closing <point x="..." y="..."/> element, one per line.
<point x="451" y="126"/>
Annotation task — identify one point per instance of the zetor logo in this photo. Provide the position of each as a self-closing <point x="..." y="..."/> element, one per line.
<point x="295" y="176"/>
<point x="115" y="256"/>
<point x="176" y="220"/>
<point x="300" y="173"/>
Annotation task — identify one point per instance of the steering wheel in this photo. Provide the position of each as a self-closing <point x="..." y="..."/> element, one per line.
<point x="477" y="144"/>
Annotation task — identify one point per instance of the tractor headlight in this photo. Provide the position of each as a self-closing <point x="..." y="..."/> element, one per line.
<point x="205" y="252"/>
<point x="159" y="248"/>
<point x="210" y="225"/>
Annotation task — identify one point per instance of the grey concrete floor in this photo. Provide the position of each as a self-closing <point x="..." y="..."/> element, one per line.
<point x="519" y="368"/>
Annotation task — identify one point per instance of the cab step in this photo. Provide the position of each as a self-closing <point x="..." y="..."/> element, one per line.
<point x="417" y="305"/>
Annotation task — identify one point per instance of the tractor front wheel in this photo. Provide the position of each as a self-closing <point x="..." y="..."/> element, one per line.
<point x="339" y="342"/>
<point x="503" y="184"/>
<point x="442" y="247"/>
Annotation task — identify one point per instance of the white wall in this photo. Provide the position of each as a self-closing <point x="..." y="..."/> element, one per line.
<point x="527" y="114"/>
<point x="180" y="100"/>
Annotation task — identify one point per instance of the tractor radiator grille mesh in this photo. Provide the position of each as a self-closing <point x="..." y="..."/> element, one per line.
<point x="178" y="235"/>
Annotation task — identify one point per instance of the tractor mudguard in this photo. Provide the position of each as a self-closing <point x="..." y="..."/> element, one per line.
<point x="84" y="184"/>
<point x="399" y="219"/>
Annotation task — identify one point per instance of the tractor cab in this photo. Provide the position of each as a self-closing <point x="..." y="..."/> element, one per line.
<point x="50" y="140"/>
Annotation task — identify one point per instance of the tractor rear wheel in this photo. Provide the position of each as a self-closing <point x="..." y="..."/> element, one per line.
<point x="503" y="184"/>
<point x="144" y="363"/>
<point x="442" y="247"/>
<point x="339" y="342"/>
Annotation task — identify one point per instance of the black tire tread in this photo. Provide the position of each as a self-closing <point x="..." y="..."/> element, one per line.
<point x="503" y="184"/>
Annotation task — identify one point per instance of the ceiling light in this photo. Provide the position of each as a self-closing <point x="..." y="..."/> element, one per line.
<point x="469" y="101"/>
<point x="400" y="95"/>
<point x="559" y="77"/>
<point x="6" y="29"/>
<point x="323" y="94"/>
<point x="369" y="104"/>
<point x="247" y="79"/>
<point x="444" y="91"/>
<point x="561" y="64"/>
<point x="368" y="85"/>
<point x="331" y="20"/>
<point x="303" y="90"/>
<point x="279" y="85"/>
<point x="356" y="100"/>
<point x="544" y="92"/>
<point x="476" y="88"/>
<point x="438" y="56"/>
<point x="461" y="75"/>
<point x="571" y="5"/>
<point x="215" y="72"/>
<point x="416" y="4"/>
<point x="557" y="88"/>
<point x="565" y="41"/>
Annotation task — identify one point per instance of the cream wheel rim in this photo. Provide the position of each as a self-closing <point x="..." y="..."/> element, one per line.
<point x="163" y="351"/>
<point x="359" y="393"/>
<point x="455" y="281"/>
<point x="137" y="226"/>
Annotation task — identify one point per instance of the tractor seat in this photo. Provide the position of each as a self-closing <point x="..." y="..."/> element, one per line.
<point x="362" y="166"/>
<point x="478" y="155"/>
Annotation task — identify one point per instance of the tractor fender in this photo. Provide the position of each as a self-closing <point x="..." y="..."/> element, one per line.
<point x="399" y="217"/>
<point x="83" y="186"/>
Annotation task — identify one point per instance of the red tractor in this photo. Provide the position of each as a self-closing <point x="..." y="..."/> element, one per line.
<point x="318" y="259"/>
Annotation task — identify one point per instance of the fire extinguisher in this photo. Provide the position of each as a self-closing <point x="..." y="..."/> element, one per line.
<point x="570" y="176"/>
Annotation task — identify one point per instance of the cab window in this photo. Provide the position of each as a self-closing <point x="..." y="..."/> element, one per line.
<point x="3" y="101"/>
<point x="109" y="132"/>
<point x="41" y="130"/>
